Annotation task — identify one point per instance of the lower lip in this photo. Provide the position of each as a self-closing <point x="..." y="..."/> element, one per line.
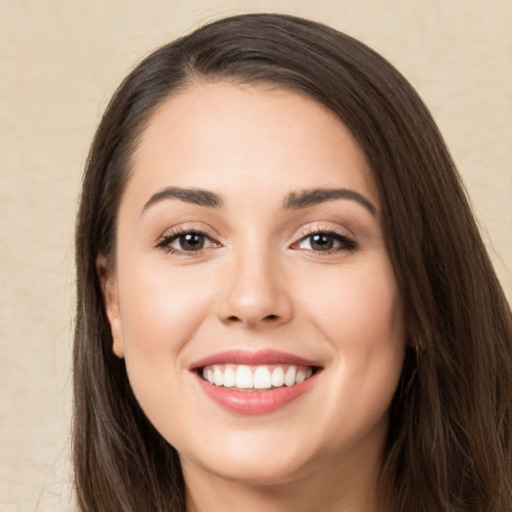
<point x="255" y="402"/>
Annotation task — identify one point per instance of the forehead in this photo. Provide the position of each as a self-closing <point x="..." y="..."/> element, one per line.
<point x="215" y="135"/>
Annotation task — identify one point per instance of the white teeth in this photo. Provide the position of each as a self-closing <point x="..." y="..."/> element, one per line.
<point x="278" y="377"/>
<point x="262" y="378"/>
<point x="289" y="378"/>
<point x="218" y="376"/>
<point x="243" y="378"/>
<point x="229" y="378"/>
<point x="301" y="376"/>
<point x="256" y="377"/>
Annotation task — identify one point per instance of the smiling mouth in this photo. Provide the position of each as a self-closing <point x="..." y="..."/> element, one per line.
<point x="254" y="383"/>
<point x="256" y="377"/>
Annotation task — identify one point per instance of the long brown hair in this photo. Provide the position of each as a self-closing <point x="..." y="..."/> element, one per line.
<point x="449" y="445"/>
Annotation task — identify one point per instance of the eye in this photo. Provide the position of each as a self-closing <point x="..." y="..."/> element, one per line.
<point x="186" y="242"/>
<point x="328" y="241"/>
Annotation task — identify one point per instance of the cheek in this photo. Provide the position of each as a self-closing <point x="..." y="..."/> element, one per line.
<point x="356" y="307"/>
<point x="160" y="309"/>
<point x="359" y="314"/>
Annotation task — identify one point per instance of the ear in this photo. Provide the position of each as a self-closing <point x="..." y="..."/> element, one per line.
<point x="108" y="285"/>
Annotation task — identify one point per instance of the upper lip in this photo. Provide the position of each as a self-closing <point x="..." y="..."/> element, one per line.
<point x="250" y="358"/>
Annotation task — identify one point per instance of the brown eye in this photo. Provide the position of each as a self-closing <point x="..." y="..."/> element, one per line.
<point x="186" y="242"/>
<point x="321" y="242"/>
<point x="324" y="242"/>
<point x="190" y="242"/>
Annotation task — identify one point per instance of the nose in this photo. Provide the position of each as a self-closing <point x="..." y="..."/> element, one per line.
<point x="255" y="292"/>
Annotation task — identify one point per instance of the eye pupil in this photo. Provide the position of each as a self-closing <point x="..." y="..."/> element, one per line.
<point x="321" y="242"/>
<point x="191" y="242"/>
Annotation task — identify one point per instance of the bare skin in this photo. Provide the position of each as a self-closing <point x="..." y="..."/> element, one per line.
<point x="328" y="491"/>
<point x="223" y="248"/>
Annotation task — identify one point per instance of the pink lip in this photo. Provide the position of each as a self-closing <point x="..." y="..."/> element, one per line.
<point x="254" y="402"/>
<point x="253" y="358"/>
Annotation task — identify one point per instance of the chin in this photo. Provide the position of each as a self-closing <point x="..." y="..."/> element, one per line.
<point x="256" y="472"/>
<point x="255" y="460"/>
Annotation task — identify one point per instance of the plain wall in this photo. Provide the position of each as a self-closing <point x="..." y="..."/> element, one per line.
<point x="59" y="63"/>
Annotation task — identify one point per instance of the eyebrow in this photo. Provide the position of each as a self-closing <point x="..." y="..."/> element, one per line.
<point x="294" y="201"/>
<point x="187" y="195"/>
<point x="312" y="197"/>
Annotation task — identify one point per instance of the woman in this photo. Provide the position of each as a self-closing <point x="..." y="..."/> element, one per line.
<point x="283" y="299"/>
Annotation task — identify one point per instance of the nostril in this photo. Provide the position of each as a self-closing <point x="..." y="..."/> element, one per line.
<point x="271" y="318"/>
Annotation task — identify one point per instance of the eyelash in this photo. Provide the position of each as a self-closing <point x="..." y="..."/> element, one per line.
<point x="166" y="241"/>
<point x="346" y="243"/>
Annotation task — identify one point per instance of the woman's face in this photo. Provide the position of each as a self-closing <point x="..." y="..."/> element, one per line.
<point x="253" y="297"/>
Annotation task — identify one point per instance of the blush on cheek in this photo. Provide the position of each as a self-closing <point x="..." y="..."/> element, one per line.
<point x="362" y="320"/>
<point x="161" y="309"/>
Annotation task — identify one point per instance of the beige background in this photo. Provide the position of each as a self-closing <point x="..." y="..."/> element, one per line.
<point x="60" y="62"/>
